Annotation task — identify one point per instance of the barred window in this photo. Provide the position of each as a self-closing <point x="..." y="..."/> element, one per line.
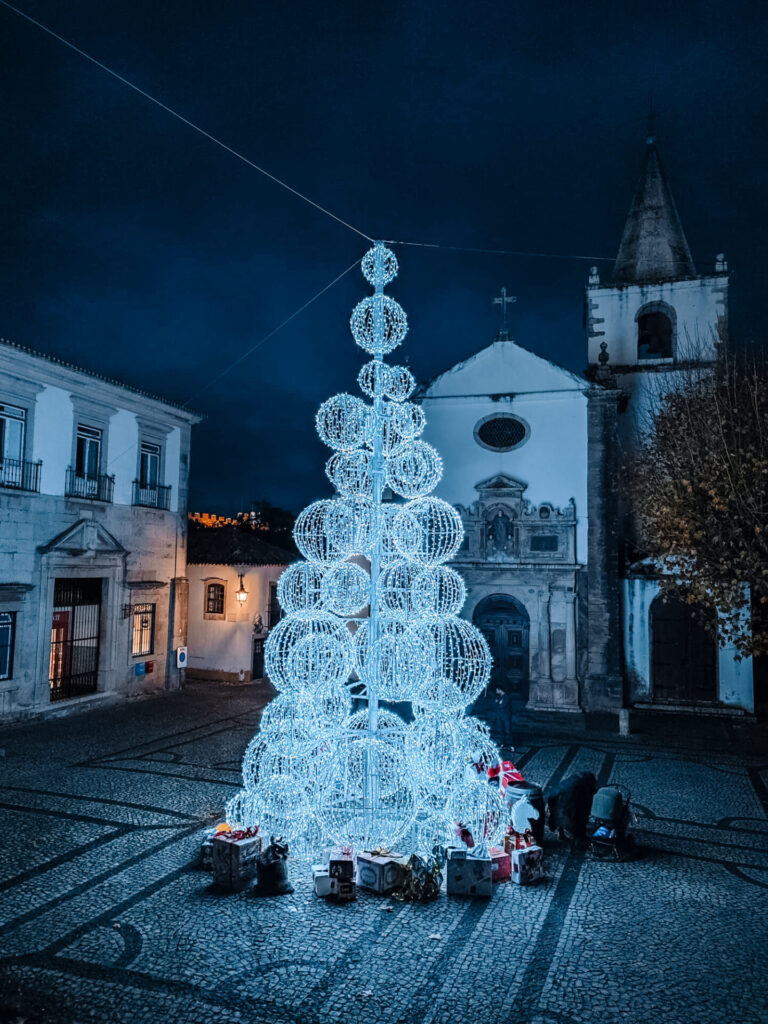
<point x="143" y="630"/>
<point x="501" y="433"/>
<point x="7" y="635"/>
<point x="214" y="599"/>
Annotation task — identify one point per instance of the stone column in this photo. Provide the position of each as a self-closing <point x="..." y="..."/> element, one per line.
<point x="570" y="636"/>
<point x="603" y="687"/>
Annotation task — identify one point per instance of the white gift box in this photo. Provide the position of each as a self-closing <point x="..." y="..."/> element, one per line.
<point x="321" y="880"/>
<point x="467" y="874"/>
<point x="380" y="874"/>
<point x="527" y="865"/>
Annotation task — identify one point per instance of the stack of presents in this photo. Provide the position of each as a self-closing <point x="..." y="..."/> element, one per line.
<point x="237" y="860"/>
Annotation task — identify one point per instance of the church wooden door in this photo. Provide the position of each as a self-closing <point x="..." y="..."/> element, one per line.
<point x="505" y="624"/>
<point x="683" y="653"/>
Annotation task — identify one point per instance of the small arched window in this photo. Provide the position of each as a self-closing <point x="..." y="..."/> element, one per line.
<point x="655" y="332"/>
<point x="214" y="599"/>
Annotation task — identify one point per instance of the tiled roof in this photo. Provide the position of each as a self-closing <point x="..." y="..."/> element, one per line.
<point x="232" y="545"/>
<point x="98" y="376"/>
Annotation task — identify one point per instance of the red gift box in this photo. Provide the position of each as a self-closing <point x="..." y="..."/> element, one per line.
<point x="501" y="865"/>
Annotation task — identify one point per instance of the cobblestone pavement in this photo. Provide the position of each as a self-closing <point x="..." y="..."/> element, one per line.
<point x="102" y="918"/>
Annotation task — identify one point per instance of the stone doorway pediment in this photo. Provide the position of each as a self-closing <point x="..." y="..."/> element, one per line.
<point x="85" y="537"/>
<point x="501" y="485"/>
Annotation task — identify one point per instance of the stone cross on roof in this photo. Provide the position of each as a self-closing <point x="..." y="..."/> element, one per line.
<point x="504" y="300"/>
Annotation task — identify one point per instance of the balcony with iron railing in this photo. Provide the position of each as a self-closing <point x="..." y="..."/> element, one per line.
<point x="94" y="488"/>
<point x="146" y="496"/>
<point x="19" y="474"/>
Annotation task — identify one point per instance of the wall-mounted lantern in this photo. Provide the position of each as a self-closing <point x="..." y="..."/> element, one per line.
<point x="241" y="593"/>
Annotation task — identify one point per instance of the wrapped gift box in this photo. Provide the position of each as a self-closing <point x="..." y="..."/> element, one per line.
<point x="321" y="880"/>
<point x="380" y="873"/>
<point x="518" y="840"/>
<point x="527" y="865"/>
<point x="467" y="874"/>
<point x="340" y="862"/>
<point x="342" y="890"/>
<point x="234" y="860"/>
<point x="501" y="864"/>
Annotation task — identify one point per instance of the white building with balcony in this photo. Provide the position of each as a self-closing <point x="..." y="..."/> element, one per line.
<point x="93" y="495"/>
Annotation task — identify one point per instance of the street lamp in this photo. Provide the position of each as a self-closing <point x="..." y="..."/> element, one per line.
<point x="241" y="593"/>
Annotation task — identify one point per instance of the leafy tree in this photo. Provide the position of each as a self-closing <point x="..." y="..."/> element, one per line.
<point x="698" y="484"/>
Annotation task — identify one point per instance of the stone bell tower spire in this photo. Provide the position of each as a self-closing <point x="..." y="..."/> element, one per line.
<point x="653" y="246"/>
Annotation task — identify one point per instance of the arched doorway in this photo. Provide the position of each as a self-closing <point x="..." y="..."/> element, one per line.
<point x="506" y="626"/>
<point x="683" y="651"/>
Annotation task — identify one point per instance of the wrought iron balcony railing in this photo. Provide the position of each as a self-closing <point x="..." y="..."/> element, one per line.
<point x="151" y="497"/>
<point x="97" y="488"/>
<point x="20" y="475"/>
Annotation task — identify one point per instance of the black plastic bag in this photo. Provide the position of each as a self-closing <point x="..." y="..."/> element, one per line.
<point x="272" y="870"/>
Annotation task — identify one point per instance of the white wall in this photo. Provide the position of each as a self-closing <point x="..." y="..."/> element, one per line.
<point x="735" y="681"/>
<point x="173" y="465"/>
<point x="54" y="423"/>
<point x="553" y="460"/>
<point x="226" y="645"/>
<point x="698" y="304"/>
<point x="123" y="454"/>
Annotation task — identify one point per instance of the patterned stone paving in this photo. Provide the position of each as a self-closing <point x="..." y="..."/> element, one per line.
<point x="103" y="918"/>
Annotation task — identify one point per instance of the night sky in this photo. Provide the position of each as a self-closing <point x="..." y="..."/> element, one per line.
<point x="135" y="247"/>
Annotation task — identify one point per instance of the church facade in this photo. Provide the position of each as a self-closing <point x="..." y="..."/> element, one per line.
<point x="531" y="462"/>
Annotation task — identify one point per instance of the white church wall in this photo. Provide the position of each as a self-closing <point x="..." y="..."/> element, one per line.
<point x="735" y="678"/>
<point x="699" y="305"/>
<point x="645" y="393"/>
<point x="552" y="462"/>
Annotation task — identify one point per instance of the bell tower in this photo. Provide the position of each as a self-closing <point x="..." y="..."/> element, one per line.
<point x="655" y="318"/>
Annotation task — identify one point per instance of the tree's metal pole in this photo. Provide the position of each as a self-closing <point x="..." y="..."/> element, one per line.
<point x="377" y="473"/>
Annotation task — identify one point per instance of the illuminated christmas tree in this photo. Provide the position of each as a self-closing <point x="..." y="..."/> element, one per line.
<point x="372" y="620"/>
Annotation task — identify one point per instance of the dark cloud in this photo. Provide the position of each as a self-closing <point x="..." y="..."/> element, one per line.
<point x="135" y="246"/>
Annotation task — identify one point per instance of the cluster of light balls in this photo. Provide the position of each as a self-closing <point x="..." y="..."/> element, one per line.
<point x="372" y="628"/>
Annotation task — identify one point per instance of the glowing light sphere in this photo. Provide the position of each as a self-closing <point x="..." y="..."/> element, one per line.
<point x="410" y="419"/>
<point x="401" y="383"/>
<point x="438" y="591"/>
<point x="435" y="750"/>
<point x="460" y="654"/>
<point x="375" y="378"/>
<point x="324" y="532"/>
<point x="389" y="727"/>
<point x="350" y="473"/>
<point x="414" y="469"/>
<point x="279" y="812"/>
<point x="366" y="794"/>
<point x="428" y="530"/>
<point x="433" y="828"/>
<point x="480" y="752"/>
<point x="396" y="589"/>
<point x="299" y="588"/>
<point x="346" y="588"/>
<point x="379" y="266"/>
<point x="396" y="666"/>
<point x="378" y="324"/>
<point x="341" y="422"/>
<point x="305" y="654"/>
<point x="479" y="807"/>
